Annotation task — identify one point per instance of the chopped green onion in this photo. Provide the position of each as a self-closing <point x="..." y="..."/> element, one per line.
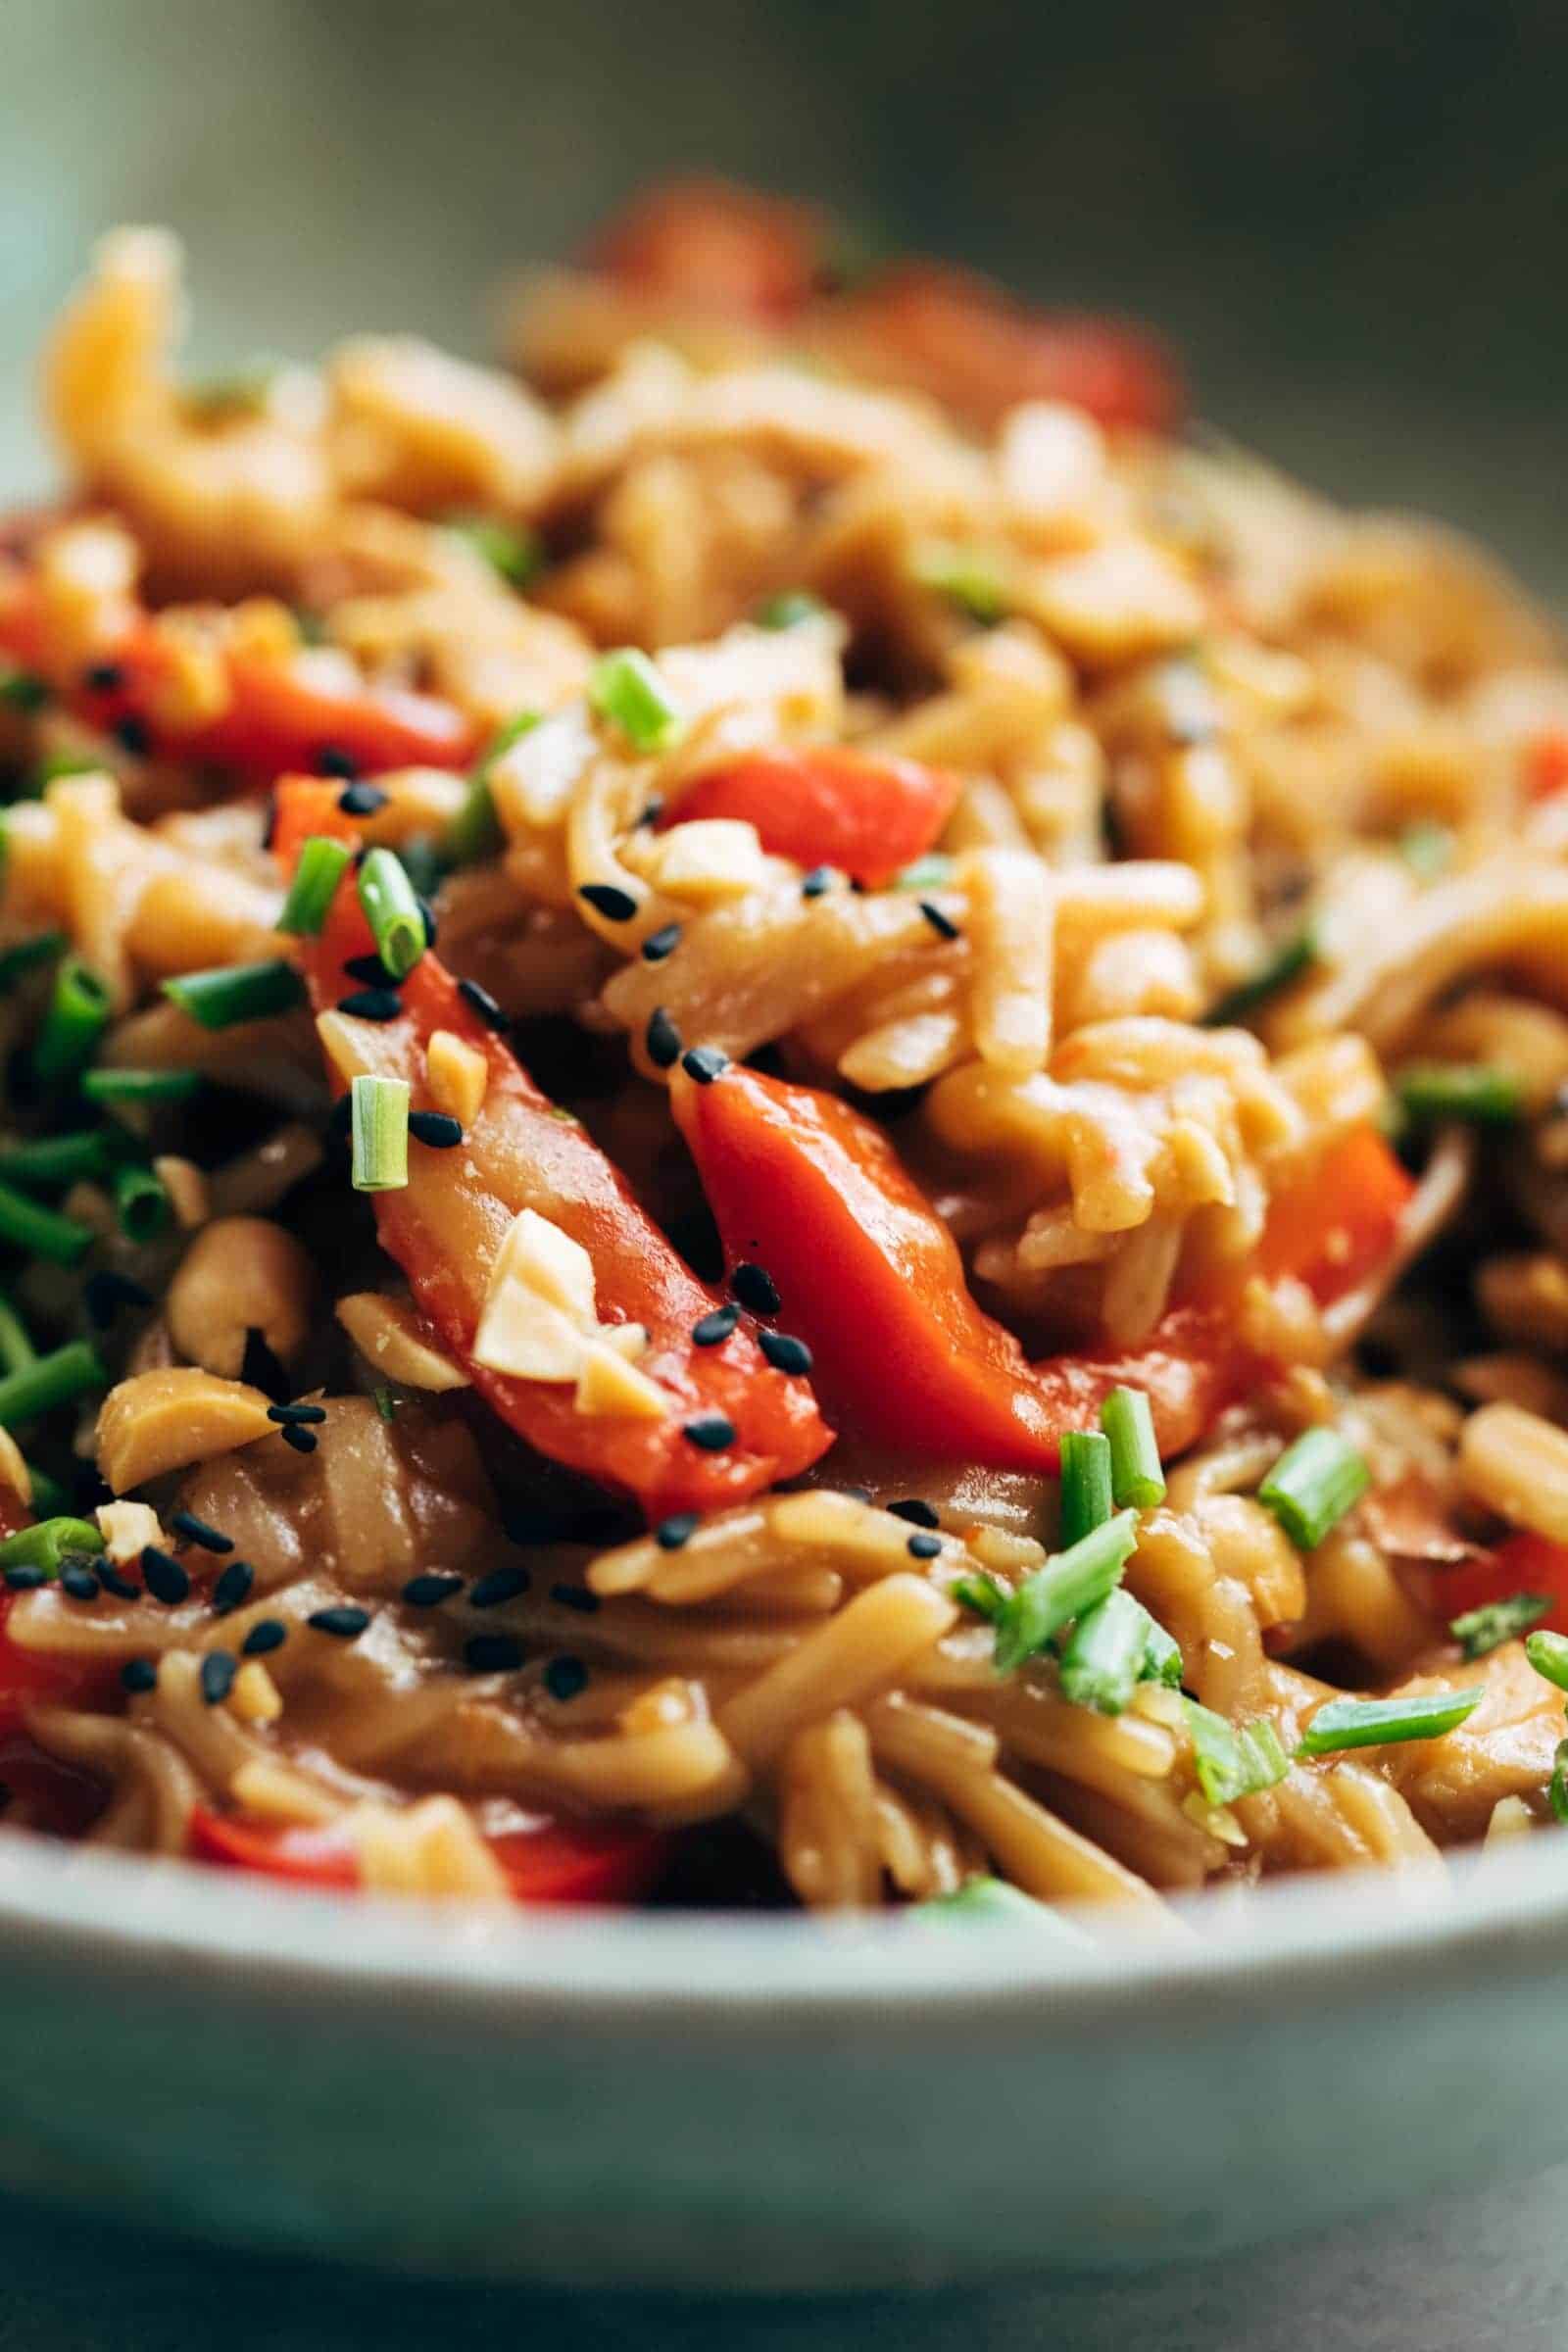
<point x="393" y="913"/>
<point x="243" y="392"/>
<point x="1314" y="1484"/>
<point x="1234" y="1759"/>
<point x="1557" y="1786"/>
<point x="1086" y="1489"/>
<point x="1290" y="960"/>
<point x="625" y="688"/>
<point x="49" y="1496"/>
<point x="46" y="1543"/>
<point x="16" y="1349"/>
<point x="28" y="954"/>
<point x="982" y="1593"/>
<point x="788" y="609"/>
<point x="474" y="833"/>
<point x="508" y="548"/>
<point x="56" y="764"/>
<point x="57" y="1159"/>
<point x="1162" y="1657"/>
<point x="141" y="1086"/>
<point x="52" y="1380"/>
<point x="141" y="1203"/>
<point x="76" y="1018"/>
<point x="1477" y="1091"/>
<point x="321" y="868"/>
<point x="381" y="1129"/>
<point x="987" y="1898"/>
<point x="1068" y="1584"/>
<point x="1427" y="847"/>
<point x="22" y="691"/>
<point x="238" y="991"/>
<point x="1481" y="1631"/>
<point x="1137" y="1477"/>
<point x="387" y="1403"/>
<point x="1379" y="1722"/>
<point x="964" y="576"/>
<point x="1104" y="1660"/>
<point x="933" y="871"/>
<point x="42" y="1232"/>
<point x="1549" y="1655"/>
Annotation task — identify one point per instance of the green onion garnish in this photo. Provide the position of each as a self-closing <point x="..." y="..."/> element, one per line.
<point x="1068" y="1584"/>
<point x="387" y="1403"/>
<point x="45" y="1543"/>
<point x="57" y="1159"/>
<point x="22" y="691"/>
<point x="964" y="576"/>
<point x="76" y="1018"/>
<point x="141" y="1086"/>
<point x="982" y="1593"/>
<point x="1549" y="1655"/>
<point x="1234" y="1759"/>
<point x="1086" y="1489"/>
<point x="16" y="1349"/>
<point x="1476" y="1092"/>
<point x="52" y="1380"/>
<point x="56" y="764"/>
<point x="49" y="1497"/>
<point x="1103" y="1663"/>
<point x="1136" y="1478"/>
<point x="1162" y="1657"/>
<point x="987" y="1898"/>
<point x="41" y="1232"/>
<point x="141" y="1203"/>
<point x="508" y="548"/>
<point x="625" y="688"/>
<point x="321" y="865"/>
<point x="28" y="954"/>
<point x="393" y="913"/>
<point x="1479" y="1631"/>
<point x="1427" y="847"/>
<point x="1290" y="960"/>
<point x="380" y="1131"/>
<point x="243" y="392"/>
<point x="238" y="991"/>
<point x="789" y="607"/>
<point x="1314" y="1484"/>
<point x="933" y="871"/>
<point x="474" y="833"/>
<point x="1379" y="1722"/>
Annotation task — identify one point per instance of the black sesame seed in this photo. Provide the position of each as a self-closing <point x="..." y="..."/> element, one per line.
<point x="267" y="1633"/>
<point x="25" y="1580"/>
<point x="429" y="1591"/>
<point x="710" y="1431"/>
<point x="708" y="1330"/>
<point x="107" y="1292"/>
<point x="218" y="1669"/>
<point x="565" y="1678"/>
<point x="615" y="904"/>
<point x="754" y="1288"/>
<point x="923" y="1547"/>
<point x="370" y="970"/>
<point x="103" y="677"/>
<point x="492" y="1654"/>
<point x="661" y="943"/>
<point x="345" y="1622"/>
<point x="361" y="800"/>
<point x="705" y="1063"/>
<point x="371" y="1004"/>
<point x="501" y="1585"/>
<point x="941" y="924"/>
<point x="80" y="1583"/>
<point x="165" y="1580"/>
<point x="856" y="1493"/>
<point x="576" y="1596"/>
<point x="111" y="1580"/>
<point x="434" y="1129"/>
<point x="134" y="734"/>
<point x="233" y="1588"/>
<point x="784" y="1353"/>
<point x="479" y="1000"/>
<point x="817" y="882"/>
<point x="662" y="1040"/>
<point x="296" y="1412"/>
<point x="260" y="1367"/>
<point x="332" y="760"/>
<point x="186" y="1523"/>
<point x="915" y="1510"/>
<point x="138" y="1675"/>
<point x="303" y="1440"/>
<point x="677" y="1530"/>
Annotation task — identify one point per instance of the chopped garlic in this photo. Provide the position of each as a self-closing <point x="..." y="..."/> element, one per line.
<point x="459" y="1076"/>
<point x="539" y="1311"/>
<point x="127" y="1528"/>
<point x="608" y="1385"/>
<point x="706" y="861"/>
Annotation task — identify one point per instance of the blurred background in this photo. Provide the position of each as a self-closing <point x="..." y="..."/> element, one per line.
<point x="1348" y="213"/>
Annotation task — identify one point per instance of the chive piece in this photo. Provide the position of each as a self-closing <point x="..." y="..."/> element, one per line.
<point x="964" y="576"/>
<point x="392" y="912"/>
<point x="1290" y="959"/>
<point x="1378" y="1722"/>
<point x="1086" y="1489"/>
<point x="1314" y="1484"/>
<point x="1549" y="1655"/>
<point x="510" y="548"/>
<point x="1479" y="1631"/>
<point x="1234" y="1759"/>
<point x="1104" y="1660"/>
<point x="987" y="1898"/>
<point x="1476" y="1092"/>
<point x="22" y="691"/>
<point x="386" y="1404"/>
<point x="243" y="392"/>
<point x="76" y="1018"/>
<point x="788" y="609"/>
<point x="934" y="871"/>
<point x="1557" y="1786"/>
<point x="380" y="1116"/>
<point x="52" y="1380"/>
<point x="238" y="991"/>
<point x="1162" y="1657"/>
<point x="1137" y="1477"/>
<point x="1068" y="1584"/>
<point x="322" y="866"/>
<point x="56" y="1159"/>
<point x="982" y="1593"/>
<point x="16" y="1349"/>
<point x="625" y="688"/>
<point x="140" y="1086"/>
<point x="42" y="1232"/>
<point x="47" y="1542"/>
<point x="474" y="833"/>
<point x="1427" y="847"/>
<point x="27" y="956"/>
<point x="141" y="1203"/>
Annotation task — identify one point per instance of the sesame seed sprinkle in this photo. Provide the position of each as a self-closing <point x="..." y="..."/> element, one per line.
<point x="480" y="1001"/>
<point x="941" y="924"/>
<point x="492" y="1654"/>
<point x="676" y="1531"/>
<point x="370" y="970"/>
<point x="662" y="1040"/>
<point x="429" y="1591"/>
<point x="303" y="1440"/>
<point x="296" y="1412"/>
<point x="333" y="761"/>
<point x="25" y="1580"/>
<point x="915" y="1510"/>
<point x="361" y="800"/>
<point x="661" y="943"/>
<point x="435" y="1129"/>
<point x="80" y="1583"/>
<point x="705" y="1063"/>
<point x="501" y="1585"/>
<point x="344" y="1622"/>
<point x="265" y="1634"/>
<point x="138" y="1675"/>
<point x="565" y="1678"/>
<point x="165" y="1580"/>
<point x="785" y="1353"/>
<point x="218" y="1669"/>
<point x="708" y="1330"/>
<point x="608" y="898"/>
<point x="817" y="882"/>
<point x="713" y="1431"/>
<point x="198" y="1531"/>
<point x="111" y="1580"/>
<point x="755" y="1287"/>
<point x="923" y="1547"/>
<point x="371" y="1004"/>
<point x="233" y="1588"/>
<point x="576" y="1596"/>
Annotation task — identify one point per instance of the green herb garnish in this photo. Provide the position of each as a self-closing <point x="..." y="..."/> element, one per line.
<point x="1293" y="957"/>
<point x="1137" y="1475"/>
<point x="1481" y="1631"/>
<point x="1380" y="1721"/>
<point x="238" y="991"/>
<point x="1314" y="1484"/>
<point x="380" y="1134"/>
<point x="625" y="688"/>
<point x="1069" y="1584"/>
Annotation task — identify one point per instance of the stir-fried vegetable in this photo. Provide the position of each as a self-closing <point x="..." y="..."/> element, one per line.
<point x="867" y="813"/>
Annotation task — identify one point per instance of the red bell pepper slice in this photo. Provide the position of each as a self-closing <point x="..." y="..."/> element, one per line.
<point x="867" y="814"/>
<point x="871" y="1276"/>
<point x="1547" y="764"/>
<point x="1524" y="1562"/>
<point x="708" y="246"/>
<point x="1339" y="1220"/>
<point x="565" y="1862"/>
<point x="523" y="1153"/>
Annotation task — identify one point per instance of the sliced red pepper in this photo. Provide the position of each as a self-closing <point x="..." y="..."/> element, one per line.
<point x="710" y="245"/>
<point x="523" y="1153"/>
<point x="1547" y="766"/>
<point x="1339" y="1220"/>
<point x="871" y="1276"/>
<point x="563" y="1862"/>
<point x="867" y="814"/>
<point x="1524" y="1562"/>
